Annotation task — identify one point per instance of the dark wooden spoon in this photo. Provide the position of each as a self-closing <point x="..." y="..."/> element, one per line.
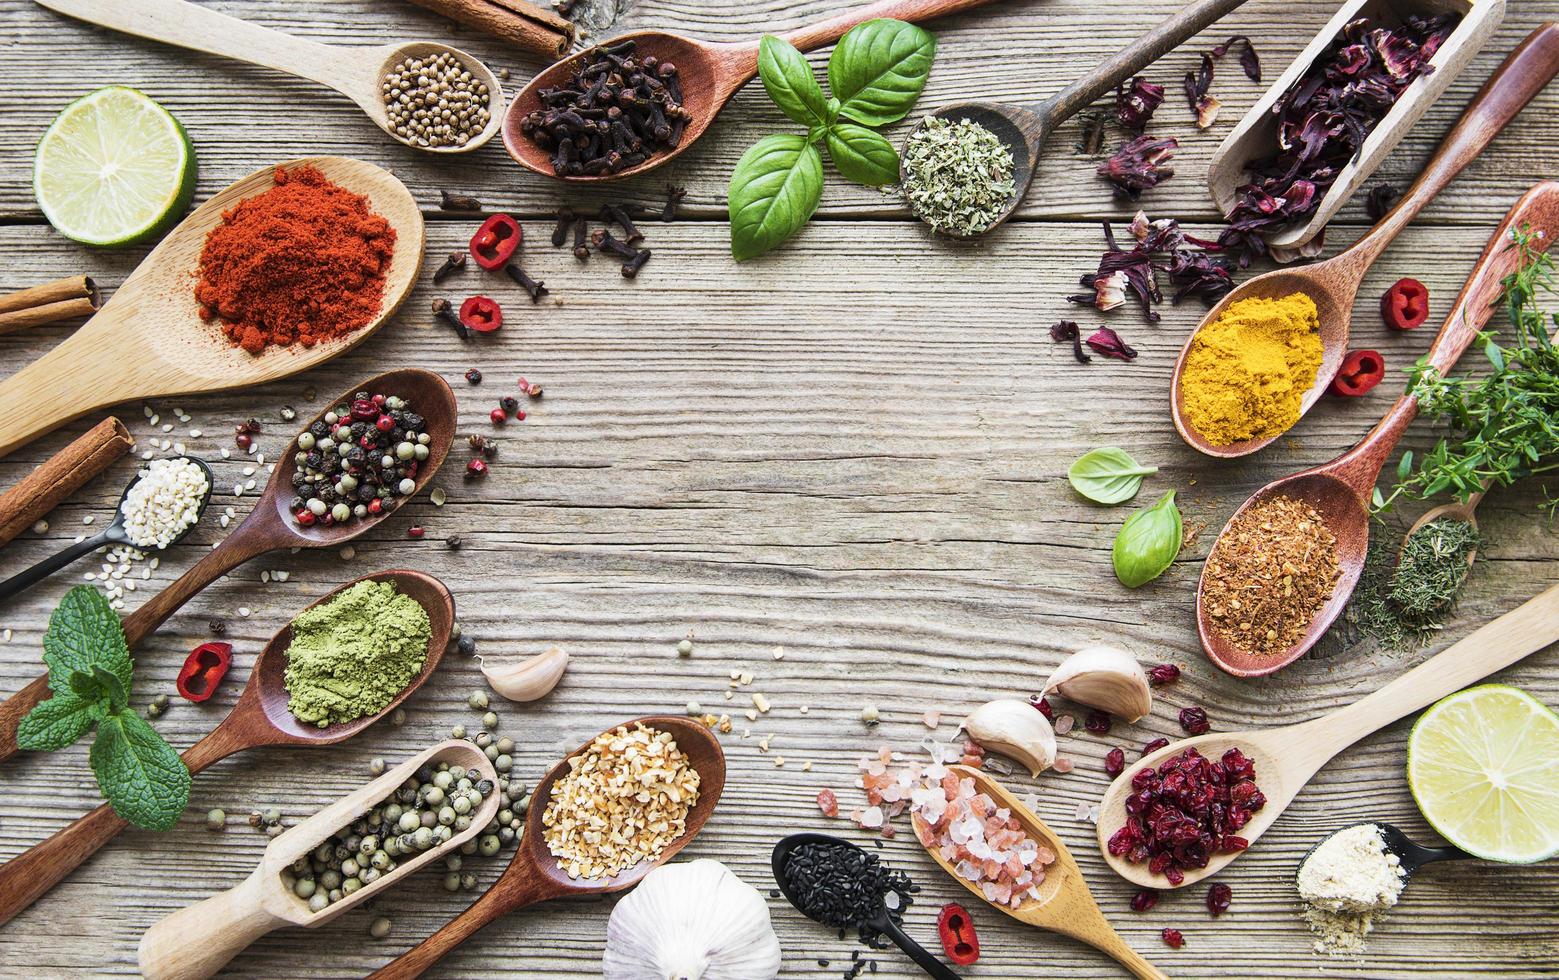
<point x="1024" y="128"/>
<point x="259" y="718"/>
<point x="1340" y="490"/>
<point x="270" y="525"/>
<point x="533" y="874"/>
<point x="710" y="74"/>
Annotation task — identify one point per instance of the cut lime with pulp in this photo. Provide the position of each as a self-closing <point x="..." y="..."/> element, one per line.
<point x="114" y="168"/>
<point x="1483" y="765"/>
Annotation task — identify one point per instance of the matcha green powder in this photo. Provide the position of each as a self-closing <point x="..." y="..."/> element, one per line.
<point x="351" y="656"/>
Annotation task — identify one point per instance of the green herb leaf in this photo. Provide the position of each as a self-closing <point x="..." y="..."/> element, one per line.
<point x="1108" y="475"/>
<point x="878" y="70"/>
<point x="774" y="191"/>
<point x="141" y="776"/>
<point x="1405" y="467"/>
<point x="1147" y="543"/>
<point x="100" y="686"/>
<point x="862" y="155"/>
<point x="790" y="83"/>
<point x="84" y="632"/>
<point x="56" y="723"/>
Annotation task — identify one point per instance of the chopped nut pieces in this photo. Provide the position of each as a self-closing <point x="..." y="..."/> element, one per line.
<point x="1270" y="572"/>
<point x="625" y="798"/>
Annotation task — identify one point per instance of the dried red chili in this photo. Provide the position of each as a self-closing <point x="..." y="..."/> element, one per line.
<point x="481" y="314"/>
<point x="496" y="241"/>
<point x="1361" y="371"/>
<point x="957" y="933"/>
<point x="1405" y="305"/>
<point x="203" y="670"/>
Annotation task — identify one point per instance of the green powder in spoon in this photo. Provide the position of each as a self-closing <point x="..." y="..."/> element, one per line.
<point x="351" y="656"/>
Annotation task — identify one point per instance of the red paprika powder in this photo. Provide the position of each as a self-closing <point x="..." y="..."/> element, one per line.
<point x="301" y="263"/>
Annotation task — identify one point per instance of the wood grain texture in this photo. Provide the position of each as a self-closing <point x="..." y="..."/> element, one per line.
<point x="854" y="450"/>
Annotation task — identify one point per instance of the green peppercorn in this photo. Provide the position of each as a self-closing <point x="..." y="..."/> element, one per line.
<point x="503" y="763"/>
<point x="216" y="818"/>
<point x="459" y="731"/>
<point x="490" y="720"/>
<point x="452" y="882"/>
<point x="488" y="845"/>
<point x="304" y="887"/>
<point x="478" y="700"/>
<point x="506" y="745"/>
<point x="379" y="928"/>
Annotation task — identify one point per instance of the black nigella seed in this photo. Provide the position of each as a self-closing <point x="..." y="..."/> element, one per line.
<point x="843" y="886"/>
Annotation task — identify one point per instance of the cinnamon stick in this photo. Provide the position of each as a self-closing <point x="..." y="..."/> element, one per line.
<point x="38" y="316"/>
<point x="522" y="24"/>
<point x="62" y="475"/>
<point x="74" y="287"/>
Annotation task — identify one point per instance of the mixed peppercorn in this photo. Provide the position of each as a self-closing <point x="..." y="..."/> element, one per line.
<point x="358" y="460"/>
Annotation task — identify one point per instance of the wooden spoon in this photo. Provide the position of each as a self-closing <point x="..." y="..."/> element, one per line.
<point x="1255" y="135"/>
<point x="196" y="941"/>
<point x="1341" y="490"/>
<point x="148" y="340"/>
<point x="356" y="72"/>
<point x="1462" y="511"/>
<point x="1286" y="758"/>
<point x="710" y="74"/>
<point x="259" y="718"/>
<point x="1065" y="904"/>
<point x="1024" y="128"/>
<point x="533" y="874"/>
<point x="270" y="525"/>
<point x="1334" y="282"/>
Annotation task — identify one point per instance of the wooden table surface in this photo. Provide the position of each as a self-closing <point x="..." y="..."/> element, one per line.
<point x="852" y="451"/>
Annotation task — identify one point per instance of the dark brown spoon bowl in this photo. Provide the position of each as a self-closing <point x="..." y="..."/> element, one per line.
<point x="259" y="718"/>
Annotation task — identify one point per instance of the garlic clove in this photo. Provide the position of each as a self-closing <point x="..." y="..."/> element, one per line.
<point x="1015" y="729"/>
<point x="529" y="679"/>
<point x="1104" y="678"/>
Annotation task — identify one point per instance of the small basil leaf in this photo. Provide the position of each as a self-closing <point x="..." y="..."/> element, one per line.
<point x="1147" y="543"/>
<point x="790" y="83"/>
<point x="862" y="155"/>
<point x="878" y="70"/>
<point x="774" y="190"/>
<point x="1108" y="475"/>
<point x="84" y="631"/>
<point x="55" y="723"/>
<point x="140" y="775"/>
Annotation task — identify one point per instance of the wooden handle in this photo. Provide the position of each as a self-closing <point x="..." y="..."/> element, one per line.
<point x="914" y="11"/>
<point x="521" y="885"/>
<point x="69" y="381"/>
<point x="198" y="940"/>
<point x="1113" y="946"/>
<point x="1523" y="74"/>
<point x="25" y="878"/>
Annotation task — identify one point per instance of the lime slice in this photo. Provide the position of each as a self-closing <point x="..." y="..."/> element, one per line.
<point x="114" y="168"/>
<point x="1483" y="765"/>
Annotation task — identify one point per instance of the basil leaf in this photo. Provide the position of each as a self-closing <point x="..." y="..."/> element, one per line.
<point x="1108" y="475"/>
<point x="862" y="155"/>
<point x="100" y="686"/>
<point x="84" y="631"/>
<point x="790" y="83"/>
<point x="878" y="70"/>
<point x="774" y="190"/>
<point x="55" y="723"/>
<point x="1147" y="543"/>
<point x="141" y="776"/>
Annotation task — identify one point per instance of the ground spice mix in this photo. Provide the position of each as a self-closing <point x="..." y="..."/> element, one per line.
<point x="1270" y="572"/>
<point x="301" y="263"/>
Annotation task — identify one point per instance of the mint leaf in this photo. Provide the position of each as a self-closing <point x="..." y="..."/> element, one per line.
<point x="878" y="70"/>
<point x="85" y="632"/>
<point x="862" y="155"/>
<point x="141" y="776"/>
<point x="55" y="723"/>
<point x="774" y="190"/>
<point x="102" y="685"/>
<point x="790" y="83"/>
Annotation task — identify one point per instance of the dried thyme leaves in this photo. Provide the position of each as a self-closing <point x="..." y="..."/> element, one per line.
<point x="1401" y="604"/>
<point x="1269" y="574"/>
<point x="957" y="175"/>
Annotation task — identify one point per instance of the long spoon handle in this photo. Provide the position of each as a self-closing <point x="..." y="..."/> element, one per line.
<point x="1523" y="74"/>
<point x="922" y="957"/>
<point x="26" y="579"/>
<point x="914" y="11"/>
<point x="521" y="885"/>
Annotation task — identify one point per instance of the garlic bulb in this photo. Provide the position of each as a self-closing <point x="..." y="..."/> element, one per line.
<point x="1104" y="678"/>
<point x="691" y="921"/>
<point x="529" y="679"/>
<point x="1015" y="729"/>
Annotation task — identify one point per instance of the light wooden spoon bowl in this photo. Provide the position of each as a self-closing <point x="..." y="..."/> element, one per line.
<point x="1286" y="758"/>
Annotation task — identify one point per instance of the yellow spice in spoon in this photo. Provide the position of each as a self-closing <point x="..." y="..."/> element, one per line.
<point x="1248" y="370"/>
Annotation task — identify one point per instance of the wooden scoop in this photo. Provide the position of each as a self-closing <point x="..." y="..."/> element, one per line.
<point x="1065" y="904"/>
<point x="148" y="340"/>
<point x="270" y="525"/>
<point x="1024" y="128"/>
<point x="710" y="74"/>
<point x="1341" y="490"/>
<point x="196" y="941"/>
<point x="533" y="874"/>
<point x="1334" y="282"/>
<point x="357" y="73"/>
<point x="259" y="718"/>
<point x="1287" y="757"/>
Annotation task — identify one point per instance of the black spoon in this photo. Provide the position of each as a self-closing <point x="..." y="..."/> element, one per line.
<point x="113" y="534"/>
<point x="880" y="921"/>
<point x="1411" y="856"/>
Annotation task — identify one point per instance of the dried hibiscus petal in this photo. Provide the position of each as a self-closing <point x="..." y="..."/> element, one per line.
<point x="1109" y="343"/>
<point x="1139" y="165"/>
<point x="1136" y="101"/>
<point x="1204" y="106"/>
<point x="1248" y="60"/>
<point x="1062" y="332"/>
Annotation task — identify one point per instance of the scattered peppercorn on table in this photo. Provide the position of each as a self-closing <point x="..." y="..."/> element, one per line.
<point x="821" y="486"/>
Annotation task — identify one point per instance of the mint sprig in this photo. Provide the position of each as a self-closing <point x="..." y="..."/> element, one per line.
<point x="90" y="672"/>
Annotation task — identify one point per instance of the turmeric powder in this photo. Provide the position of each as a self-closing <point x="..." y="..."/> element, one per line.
<point x="1248" y="371"/>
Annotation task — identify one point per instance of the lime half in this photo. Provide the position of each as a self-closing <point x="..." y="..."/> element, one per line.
<point x="114" y="168"/>
<point x="1483" y="765"/>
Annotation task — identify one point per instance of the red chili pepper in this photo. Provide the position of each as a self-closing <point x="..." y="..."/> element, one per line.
<point x="496" y="241"/>
<point x="1361" y="370"/>
<point x="481" y="314"/>
<point x="957" y="931"/>
<point x="1405" y="305"/>
<point x="204" y="669"/>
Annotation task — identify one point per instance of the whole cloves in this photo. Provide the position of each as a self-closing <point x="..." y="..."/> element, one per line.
<point x="605" y="242"/>
<point x="674" y="196"/>
<point x="632" y="266"/>
<point x="536" y="289"/>
<point x="444" y="311"/>
<point x="454" y="263"/>
<point x="458" y="202"/>
<point x="619" y="214"/>
<point x="560" y="231"/>
<point x="581" y="239"/>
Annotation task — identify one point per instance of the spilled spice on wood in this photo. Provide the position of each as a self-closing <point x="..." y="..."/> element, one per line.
<point x="1269" y="573"/>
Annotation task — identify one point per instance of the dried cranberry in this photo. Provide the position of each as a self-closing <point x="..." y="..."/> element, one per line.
<point x="473" y="376"/>
<point x="1218" y="897"/>
<point x="243" y="440"/>
<point x="364" y="409"/>
<point x="1098" y="722"/>
<point x="1114" y="762"/>
<point x="1144" y="900"/>
<point x="476" y="468"/>
<point x="1164" y="674"/>
<point x="1154" y="746"/>
<point x="415" y="531"/>
<point x="1194" y="720"/>
<point x="1043" y="704"/>
<point x="1172" y="938"/>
